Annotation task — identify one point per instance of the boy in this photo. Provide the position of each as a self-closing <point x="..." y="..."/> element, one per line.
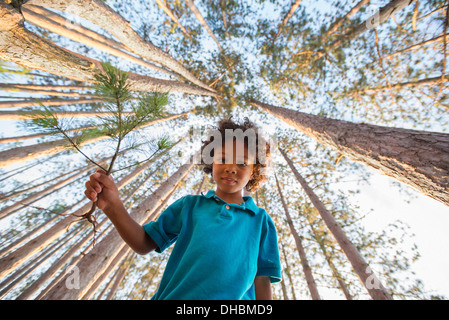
<point x="226" y="246"/>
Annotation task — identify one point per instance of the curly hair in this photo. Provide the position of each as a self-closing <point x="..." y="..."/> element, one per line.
<point x="257" y="175"/>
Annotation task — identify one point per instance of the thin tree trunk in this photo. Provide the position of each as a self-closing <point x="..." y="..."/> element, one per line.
<point x="302" y="253"/>
<point x="40" y="87"/>
<point x="201" y="186"/>
<point x="31" y="265"/>
<point x="11" y="261"/>
<point x="40" y="135"/>
<point x="416" y="158"/>
<point x="337" y="24"/>
<point x="384" y="14"/>
<point x="102" y="15"/>
<point x="417" y="46"/>
<point x="49" y="273"/>
<point x="26" y="153"/>
<point x="42" y="54"/>
<point x="118" y="259"/>
<point x="288" y="273"/>
<point x="289" y="14"/>
<point x="373" y="285"/>
<point x="23" y="203"/>
<point x="31" y="15"/>
<point x="119" y="277"/>
<point x="329" y="261"/>
<point x="203" y="22"/>
<point x="402" y="85"/>
<point x="168" y="12"/>
<point x="56" y="18"/>
<point x="25" y="115"/>
<point x="106" y="250"/>
<point x="47" y="102"/>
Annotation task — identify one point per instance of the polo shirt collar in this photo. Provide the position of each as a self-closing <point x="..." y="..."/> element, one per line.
<point x="248" y="204"/>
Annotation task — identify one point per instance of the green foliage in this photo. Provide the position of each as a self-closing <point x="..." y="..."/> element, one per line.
<point x="112" y="83"/>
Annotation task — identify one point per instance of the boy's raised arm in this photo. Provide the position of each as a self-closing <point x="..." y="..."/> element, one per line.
<point x="102" y="188"/>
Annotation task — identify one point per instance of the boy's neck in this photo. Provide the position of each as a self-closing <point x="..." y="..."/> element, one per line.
<point x="230" y="197"/>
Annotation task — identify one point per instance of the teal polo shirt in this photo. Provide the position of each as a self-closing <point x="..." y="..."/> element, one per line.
<point x="220" y="248"/>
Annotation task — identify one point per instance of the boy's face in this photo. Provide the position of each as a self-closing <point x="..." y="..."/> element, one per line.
<point x="232" y="170"/>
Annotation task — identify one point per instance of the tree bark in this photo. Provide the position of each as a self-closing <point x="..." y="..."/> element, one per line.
<point x="373" y="285"/>
<point x="22" y="154"/>
<point x="49" y="273"/>
<point x="337" y="24"/>
<point x="287" y="17"/>
<point x="418" y="45"/>
<point x="39" y="135"/>
<point x="31" y="15"/>
<point x="32" y="198"/>
<point x="25" y="115"/>
<point x="383" y="15"/>
<point x="302" y="253"/>
<point x="102" y="15"/>
<point x="11" y="261"/>
<point x="418" y="159"/>
<point x="203" y="22"/>
<point x="47" y="102"/>
<point x="410" y="84"/>
<point x="31" y="51"/>
<point x="96" y="261"/>
<point x="167" y="11"/>
<point x="329" y="261"/>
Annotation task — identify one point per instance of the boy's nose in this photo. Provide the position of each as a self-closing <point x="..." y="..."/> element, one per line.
<point x="230" y="170"/>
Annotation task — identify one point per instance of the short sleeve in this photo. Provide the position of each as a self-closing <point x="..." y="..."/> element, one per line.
<point x="165" y="229"/>
<point x="268" y="263"/>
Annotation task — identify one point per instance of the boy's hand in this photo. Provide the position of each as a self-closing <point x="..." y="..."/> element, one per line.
<point x="102" y="188"/>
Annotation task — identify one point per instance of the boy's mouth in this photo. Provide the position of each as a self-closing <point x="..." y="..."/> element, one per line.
<point x="228" y="180"/>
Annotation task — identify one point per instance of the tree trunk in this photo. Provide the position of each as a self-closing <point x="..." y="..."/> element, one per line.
<point x="40" y="135"/>
<point x="27" y="49"/>
<point x="287" y="17"/>
<point x="337" y="24"/>
<point x="31" y="15"/>
<point x="49" y="273"/>
<point x="26" y="153"/>
<point x="329" y="261"/>
<point x="32" y="264"/>
<point x="288" y="273"/>
<point x="56" y="18"/>
<point x="47" y="102"/>
<point x="167" y="11"/>
<point x="36" y="196"/>
<point x="402" y="85"/>
<point x="25" y="115"/>
<point x="418" y="45"/>
<point x="203" y="22"/>
<point x="95" y="262"/>
<point x="47" y="90"/>
<point x="102" y="15"/>
<point x="40" y="87"/>
<point x="375" y="288"/>
<point x="416" y="158"/>
<point x="302" y="253"/>
<point x="10" y="262"/>
<point x="383" y="15"/>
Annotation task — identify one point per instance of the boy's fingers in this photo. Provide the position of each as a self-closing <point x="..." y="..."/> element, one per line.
<point x="102" y="178"/>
